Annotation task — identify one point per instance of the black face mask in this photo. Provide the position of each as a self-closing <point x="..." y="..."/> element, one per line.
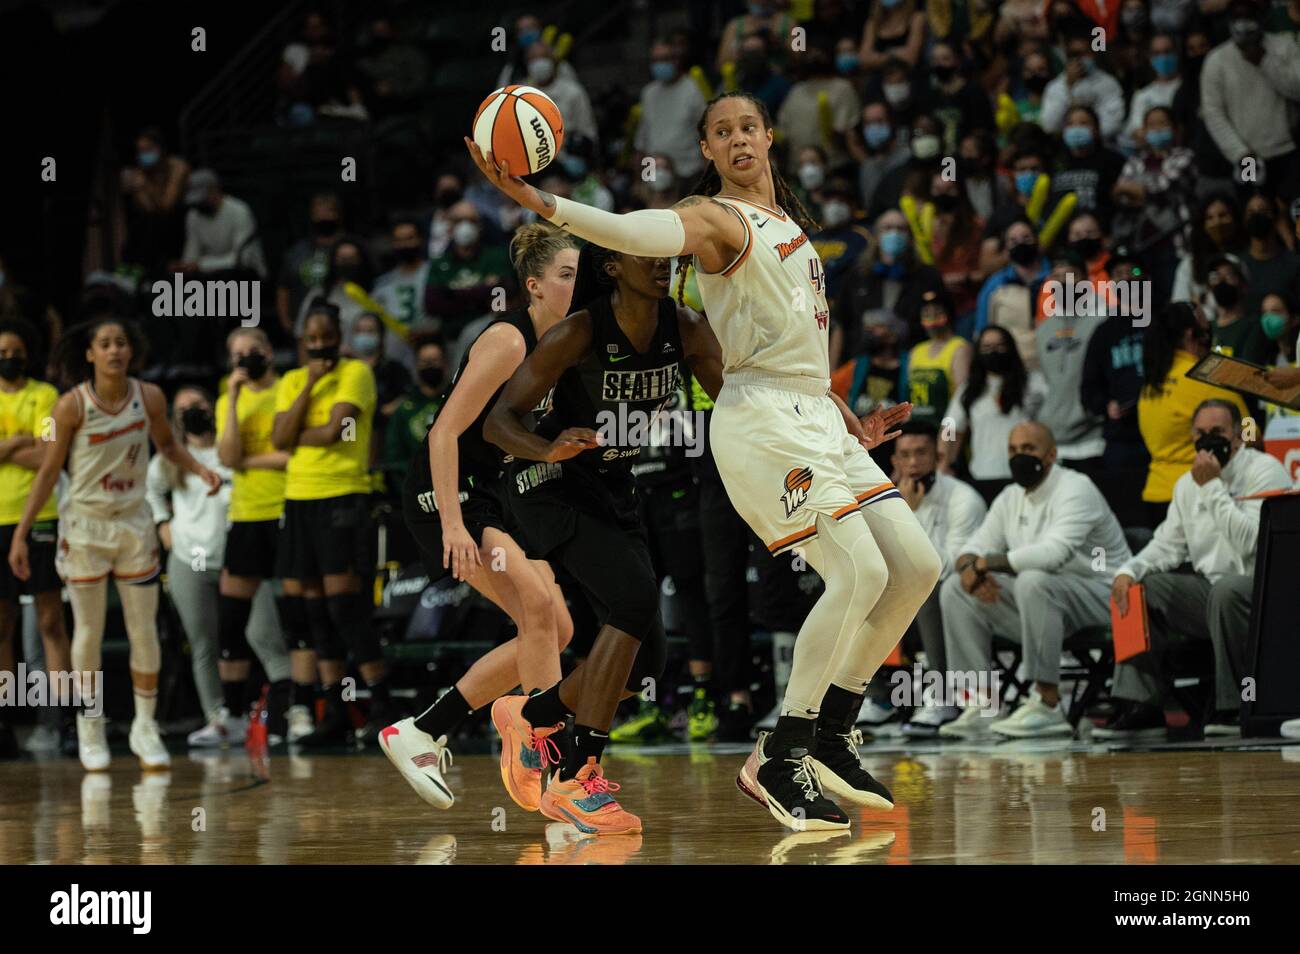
<point x="1026" y="470"/>
<point x="205" y="210"/>
<point x="1025" y="254"/>
<point x="328" y="353"/>
<point x="254" y="363"/>
<point x="1036" y="83"/>
<point x="1226" y="294"/>
<point x="998" y="362"/>
<point x="1217" y="445"/>
<point x="946" y="202"/>
<point x="927" y="481"/>
<point x="349" y="273"/>
<point x="1259" y="225"/>
<point x="431" y="377"/>
<point x="405" y="256"/>
<point x="196" y="420"/>
<point x="324" y="227"/>
<point x="448" y="197"/>
<point x="12" y="368"/>
<point x="1086" y="248"/>
<point x="943" y="73"/>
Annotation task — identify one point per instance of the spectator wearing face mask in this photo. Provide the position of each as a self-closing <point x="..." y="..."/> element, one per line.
<point x="1035" y="74"/>
<point x="461" y="280"/>
<point x="1213" y="525"/>
<point x="976" y="163"/>
<point x="879" y="149"/>
<point x="847" y="64"/>
<point x="1029" y="573"/>
<point x="307" y="261"/>
<point x="895" y="28"/>
<point x="842" y="239"/>
<point x="1163" y="59"/>
<point x="1028" y="168"/>
<point x="1085" y="240"/>
<point x="1272" y="266"/>
<point x="401" y="290"/>
<point x="762" y="17"/>
<point x="949" y="510"/>
<point x="1154" y="196"/>
<point x="895" y="87"/>
<point x="447" y="191"/>
<point x="1007" y="296"/>
<point x="1176" y="339"/>
<point x="1279" y="320"/>
<point x="886" y="279"/>
<point x="755" y="75"/>
<point x="811" y="172"/>
<point x="671" y="104"/>
<point x="1127" y="53"/>
<point x="1083" y="83"/>
<point x="568" y="93"/>
<point x="1196" y="43"/>
<point x="912" y="177"/>
<point x="220" y="230"/>
<point x="954" y="241"/>
<point x="153" y="188"/>
<point x="411" y="418"/>
<point x="958" y="105"/>
<point x="349" y="263"/>
<point x="1248" y="88"/>
<point x="527" y="31"/>
<point x="657" y="185"/>
<point x="998" y="394"/>
<point x="938" y="366"/>
<point x="1236" y="329"/>
<point x="800" y="117"/>
<point x="392" y="379"/>
<point x="1216" y="231"/>
<point x="1020" y="20"/>
<point x="1088" y="168"/>
<point x="577" y="162"/>
<point x="872" y="376"/>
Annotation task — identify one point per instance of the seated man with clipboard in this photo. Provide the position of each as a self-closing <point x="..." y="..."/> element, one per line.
<point x="1212" y="526"/>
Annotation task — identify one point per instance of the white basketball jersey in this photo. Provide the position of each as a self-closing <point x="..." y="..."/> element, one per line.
<point x="109" y="457"/>
<point x="768" y="307"/>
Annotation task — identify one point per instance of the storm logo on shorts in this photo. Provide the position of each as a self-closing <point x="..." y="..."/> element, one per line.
<point x="797" y="484"/>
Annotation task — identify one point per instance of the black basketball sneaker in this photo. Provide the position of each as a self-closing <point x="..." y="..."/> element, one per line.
<point x="789" y="788"/>
<point x="840" y="769"/>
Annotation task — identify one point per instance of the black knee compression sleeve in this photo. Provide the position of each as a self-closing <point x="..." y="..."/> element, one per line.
<point x="294" y="622"/>
<point x="326" y="639"/>
<point x="350" y="613"/>
<point x="232" y="627"/>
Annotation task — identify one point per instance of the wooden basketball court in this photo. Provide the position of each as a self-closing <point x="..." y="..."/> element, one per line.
<point x="1020" y="802"/>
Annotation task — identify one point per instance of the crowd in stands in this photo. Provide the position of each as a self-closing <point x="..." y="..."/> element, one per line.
<point x="966" y="160"/>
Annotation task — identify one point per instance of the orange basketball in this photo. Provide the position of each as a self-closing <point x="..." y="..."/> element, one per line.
<point x="521" y="126"/>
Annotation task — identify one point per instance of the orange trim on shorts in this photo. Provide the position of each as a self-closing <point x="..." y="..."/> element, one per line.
<point x="135" y="576"/>
<point x="846" y="510"/>
<point x="805" y="534"/>
<point x="85" y="579"/>
<point x="744" y="253"/>
<point x="878" y="489"/>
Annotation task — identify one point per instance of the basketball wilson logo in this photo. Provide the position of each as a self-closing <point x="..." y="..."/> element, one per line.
<point x="797" y="484"/>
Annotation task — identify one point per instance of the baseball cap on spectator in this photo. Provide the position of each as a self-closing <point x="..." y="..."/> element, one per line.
<point x="201" y="182"/>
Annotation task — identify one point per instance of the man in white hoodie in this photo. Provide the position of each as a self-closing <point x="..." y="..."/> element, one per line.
<point x="1036" y="571"/>
<point x="1083" y="81"/>
<point x="1214" y="525"/>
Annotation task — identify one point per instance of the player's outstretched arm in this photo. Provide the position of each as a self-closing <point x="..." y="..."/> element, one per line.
<point x="560" y="349"/>
<point x="697" y="225"/>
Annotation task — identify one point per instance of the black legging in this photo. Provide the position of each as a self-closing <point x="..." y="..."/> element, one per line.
<point x="671" y="514"/>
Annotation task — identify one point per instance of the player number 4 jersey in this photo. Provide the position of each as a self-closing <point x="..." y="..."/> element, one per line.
<point x="109" y="456"/>
<point x="768" y="306"/>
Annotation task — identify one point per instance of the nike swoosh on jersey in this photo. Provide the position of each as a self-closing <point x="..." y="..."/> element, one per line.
<point x="615" y="360"/>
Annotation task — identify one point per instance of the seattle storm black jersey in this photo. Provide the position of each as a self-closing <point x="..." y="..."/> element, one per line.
<point x="480" y="460"/>
<point x="616" y="390"/>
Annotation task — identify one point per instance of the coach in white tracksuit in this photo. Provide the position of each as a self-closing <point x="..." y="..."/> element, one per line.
<point x="1035" y="571"/>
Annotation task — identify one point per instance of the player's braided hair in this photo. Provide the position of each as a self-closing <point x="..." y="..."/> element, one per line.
<point x="710" y="183"/>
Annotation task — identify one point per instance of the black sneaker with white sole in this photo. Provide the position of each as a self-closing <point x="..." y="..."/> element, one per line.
<point x="841" y="772"/>
<point x="787" y="785"/>
<point x="1137" y="722"/>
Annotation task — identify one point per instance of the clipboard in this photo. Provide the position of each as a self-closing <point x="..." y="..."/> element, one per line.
<point x="1238" y="374"/>
<point x="1131" y="633"/>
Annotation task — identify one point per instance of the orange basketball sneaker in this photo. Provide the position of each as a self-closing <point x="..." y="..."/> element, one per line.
<point x="585" y="802"/>
<point x="525" y="751"/>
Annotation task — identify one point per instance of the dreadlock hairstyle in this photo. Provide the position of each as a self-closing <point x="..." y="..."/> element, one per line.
<point x="592" y="281"/>
<point x="710" y="183"/>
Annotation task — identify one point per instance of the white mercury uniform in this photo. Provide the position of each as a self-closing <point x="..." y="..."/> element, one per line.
<point x="779" y="441"/>
<point x="105" y="525"/>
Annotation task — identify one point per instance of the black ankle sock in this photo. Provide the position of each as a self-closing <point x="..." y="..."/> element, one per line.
<point x="791" y="733"/>
<point x="445" y="715"/>
<point x="564" y="742"/>
<point x="839" y="709"/>
<point x="235" y="695"/>
<point x="587" y="743"/>
<point x="379" y="691"/>
<point x="545" y="708"/>
<point x="304" y="694"/>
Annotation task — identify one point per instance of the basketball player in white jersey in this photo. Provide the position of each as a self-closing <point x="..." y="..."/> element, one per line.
<point x="792" y="456"/>
<point x="102" y="428"/>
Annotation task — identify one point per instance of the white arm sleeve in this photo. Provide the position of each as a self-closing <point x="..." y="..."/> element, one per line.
<point x="651" y="233"/>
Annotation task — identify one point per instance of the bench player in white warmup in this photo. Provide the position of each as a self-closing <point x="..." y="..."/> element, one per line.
<point x="102" y="428"/>
<point x="793" y="457"/>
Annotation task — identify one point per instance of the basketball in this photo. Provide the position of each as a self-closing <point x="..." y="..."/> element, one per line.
<point x="521" y="126"/>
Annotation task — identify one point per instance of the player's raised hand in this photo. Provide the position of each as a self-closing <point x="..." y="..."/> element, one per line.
<point x="881" y="424"/>
<point x="499" y="175"/>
